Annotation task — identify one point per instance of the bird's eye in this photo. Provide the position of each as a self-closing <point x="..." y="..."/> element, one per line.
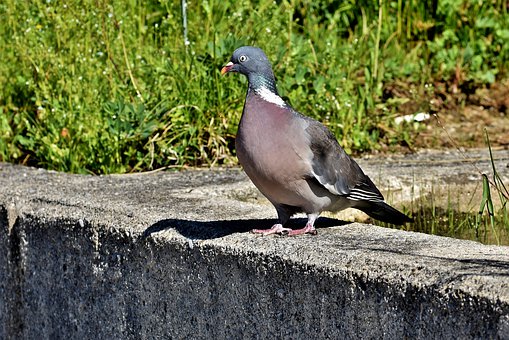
<point x="242" y="58"/>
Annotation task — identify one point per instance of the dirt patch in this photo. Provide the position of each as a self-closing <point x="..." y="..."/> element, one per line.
<point x="458" y="115"/>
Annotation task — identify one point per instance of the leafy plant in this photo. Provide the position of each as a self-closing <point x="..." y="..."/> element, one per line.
<point x="111" y="86"/>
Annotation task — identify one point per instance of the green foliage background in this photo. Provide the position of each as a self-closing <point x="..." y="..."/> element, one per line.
<point x="110" y="86"/>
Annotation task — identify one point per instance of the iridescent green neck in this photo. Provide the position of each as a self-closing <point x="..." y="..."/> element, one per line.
<point x="265" y="80"/>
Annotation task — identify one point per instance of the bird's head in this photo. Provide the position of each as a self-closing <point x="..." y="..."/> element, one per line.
<point x="254" y="64"/>
<point x="248" y="60"/>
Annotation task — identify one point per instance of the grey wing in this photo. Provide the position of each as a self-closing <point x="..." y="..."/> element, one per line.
<point x="335" y="170"/>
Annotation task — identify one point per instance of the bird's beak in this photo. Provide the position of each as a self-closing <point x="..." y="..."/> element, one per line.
<point x="226" y="68"/>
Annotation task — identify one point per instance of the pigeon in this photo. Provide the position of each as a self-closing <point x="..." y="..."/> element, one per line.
<point x="294" y="160"/>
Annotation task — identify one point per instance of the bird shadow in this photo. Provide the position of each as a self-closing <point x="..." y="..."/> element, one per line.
<point x="205" y="230"/>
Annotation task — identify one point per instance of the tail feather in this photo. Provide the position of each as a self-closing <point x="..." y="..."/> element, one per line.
<point x="383" y="212"/>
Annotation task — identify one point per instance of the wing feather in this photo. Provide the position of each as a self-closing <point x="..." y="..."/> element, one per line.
<point x="334" y="169"/>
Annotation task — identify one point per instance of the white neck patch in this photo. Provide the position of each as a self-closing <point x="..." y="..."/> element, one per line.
<point x="270" y="96"/>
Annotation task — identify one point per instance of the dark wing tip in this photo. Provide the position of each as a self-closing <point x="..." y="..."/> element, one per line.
<point x="381" y="211"/>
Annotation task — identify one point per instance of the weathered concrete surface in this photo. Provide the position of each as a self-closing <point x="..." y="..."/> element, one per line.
<point x="168" y="255"/>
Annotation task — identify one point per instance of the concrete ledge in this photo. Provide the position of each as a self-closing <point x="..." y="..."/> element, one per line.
<point x="168" y="255"/>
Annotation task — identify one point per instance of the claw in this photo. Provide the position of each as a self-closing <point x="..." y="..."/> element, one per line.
<point x="279" y="229"/>
<point x="276" y="229"/>
<point x="308" y="229"/>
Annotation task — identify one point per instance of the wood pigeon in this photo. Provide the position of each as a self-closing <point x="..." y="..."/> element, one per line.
<point x="294" y="160"/>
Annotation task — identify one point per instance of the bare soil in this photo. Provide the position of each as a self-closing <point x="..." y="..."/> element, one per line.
<point x="459" y="115"/>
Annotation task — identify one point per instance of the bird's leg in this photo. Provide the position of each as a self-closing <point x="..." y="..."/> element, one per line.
<point x="283" y="218"/>
<point x="308" y="229"/>
<point x="276" y="229"/>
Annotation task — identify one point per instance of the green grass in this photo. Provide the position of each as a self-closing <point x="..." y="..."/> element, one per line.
<point x="110" y="86"/>
<point x="488" y="224"/>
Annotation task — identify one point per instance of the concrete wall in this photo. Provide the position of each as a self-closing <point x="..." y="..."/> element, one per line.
<point x="169" y="256"/>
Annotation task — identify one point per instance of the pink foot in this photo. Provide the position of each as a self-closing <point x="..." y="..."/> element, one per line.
<point x="308" y="229"/>
<point x="276" y="229"/>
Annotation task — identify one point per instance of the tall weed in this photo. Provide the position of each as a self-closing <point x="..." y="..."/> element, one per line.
<point x="111" y="86"/>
